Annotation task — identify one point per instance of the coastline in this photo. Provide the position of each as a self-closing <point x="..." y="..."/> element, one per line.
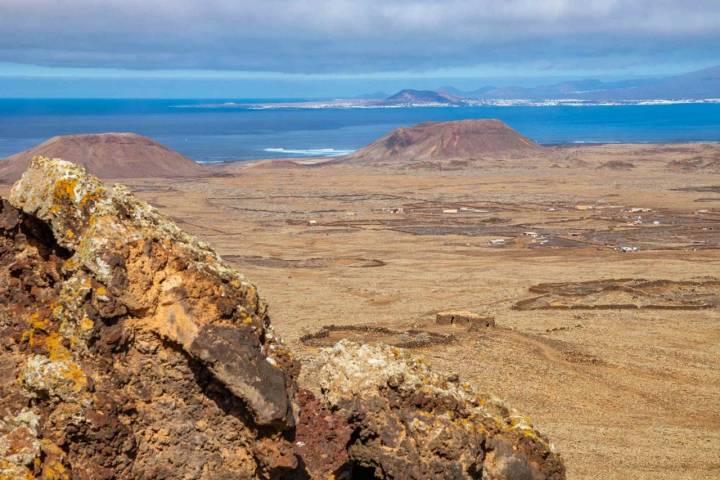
<point x="338" y="159"/>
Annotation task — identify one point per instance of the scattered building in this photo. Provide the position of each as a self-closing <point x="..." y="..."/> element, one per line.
<point x="464" y="318"/>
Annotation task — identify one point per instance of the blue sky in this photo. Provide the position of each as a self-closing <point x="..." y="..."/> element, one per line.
<point x="324" y="48"/>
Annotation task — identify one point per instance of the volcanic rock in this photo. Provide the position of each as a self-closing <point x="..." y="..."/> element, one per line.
<point x="107" y="155"/>
<point x="458" y="143"/>
<point x="409" y="422"/>
<point x="130" y="350"/>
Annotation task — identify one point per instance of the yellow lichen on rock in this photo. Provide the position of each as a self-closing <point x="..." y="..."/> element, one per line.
<point x="146" y="356"/>
<point x="19" y="446"/>
<point x="54" y="470"/>
<point x="86" y="324"/>
<point x="53" y="467"/>
<point x="55" y="349"/>
<point x="144" y="267"/>
<point x="91" y="197"/>
<point x="393" y="396"/>
<point x="39" y="328"/>
<point x="65" y="190"/>
<point x="60" y="379"/>
<point x="11" y="471"/>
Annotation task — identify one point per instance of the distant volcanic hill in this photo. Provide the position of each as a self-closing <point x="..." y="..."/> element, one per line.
<point x="107" y="155"/>
<point x="421" y="97"/>
<point x="436" y="143"/>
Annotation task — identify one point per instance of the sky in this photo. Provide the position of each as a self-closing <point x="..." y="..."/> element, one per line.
<point x="325" y="48"/>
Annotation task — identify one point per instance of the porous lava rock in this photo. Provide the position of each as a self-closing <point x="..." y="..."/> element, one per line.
<point x="411" y="423"/>
<point x="130" y="350"/>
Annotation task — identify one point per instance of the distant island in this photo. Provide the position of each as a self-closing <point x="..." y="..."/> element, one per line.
<point x="423" y="97"/>
<point x="702" y="86"/>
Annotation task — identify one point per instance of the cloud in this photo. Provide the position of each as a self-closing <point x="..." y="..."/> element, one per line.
<point x="310" y="36"/>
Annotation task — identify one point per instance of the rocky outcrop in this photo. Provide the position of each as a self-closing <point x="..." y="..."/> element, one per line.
<point x="130" y="345"/>
<point x="411" y="423"/>
<point x="130" y="350"/>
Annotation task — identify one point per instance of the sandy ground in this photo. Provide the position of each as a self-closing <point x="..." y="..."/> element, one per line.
<point x="622" y="392"/>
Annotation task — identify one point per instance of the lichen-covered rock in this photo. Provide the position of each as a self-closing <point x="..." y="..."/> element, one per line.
<point x="130" y="350"/>
<point x="145" y="267"/>
<point x="411" y="423"/>
<point x="19" y="445"/>
<point x="135" y="349"/>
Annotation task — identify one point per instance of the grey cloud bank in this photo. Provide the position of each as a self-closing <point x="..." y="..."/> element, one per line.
<point x="311" y="36"/>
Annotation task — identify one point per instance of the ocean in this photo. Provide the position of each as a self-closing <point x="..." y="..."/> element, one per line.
<point x="210" y="134"/>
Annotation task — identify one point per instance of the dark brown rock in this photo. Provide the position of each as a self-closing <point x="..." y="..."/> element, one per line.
<point x="130" y="346"/>
<point x="234" y="355"/>
<point x="130" y="350"/>
<point x="408" y="422"/>
<point x="322" y="438"/>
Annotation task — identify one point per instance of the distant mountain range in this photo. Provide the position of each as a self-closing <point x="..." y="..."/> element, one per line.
<point x="702" y="86"/>
<point x="699" y="85"/>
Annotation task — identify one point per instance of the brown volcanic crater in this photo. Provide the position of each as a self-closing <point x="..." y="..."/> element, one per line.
<point x="438" y="141"/>
<point x="108" y="155"/>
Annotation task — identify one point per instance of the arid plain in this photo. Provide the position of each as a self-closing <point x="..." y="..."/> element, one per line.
<point x="599" y="264"/>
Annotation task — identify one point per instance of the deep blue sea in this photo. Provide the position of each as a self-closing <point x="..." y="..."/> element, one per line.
<point x="227" y="134"/>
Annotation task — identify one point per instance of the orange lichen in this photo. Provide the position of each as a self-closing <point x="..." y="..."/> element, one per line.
<point x="93" y="197"/>
<point x="10" y="471"/>
<point x="54" y="470"/>
<point x="39" y="327"/>
<point x="53" y="462"/>
<point x="245" y="319"/>
<point x="71" y="264"/>
<point x="39" y="323"/>
<point x="86" y="324"/>
<point x="76" y="376"/>
<point x="56" y="350"/>
<point x="65" y="189"/>
<point x="40" y="336"/>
